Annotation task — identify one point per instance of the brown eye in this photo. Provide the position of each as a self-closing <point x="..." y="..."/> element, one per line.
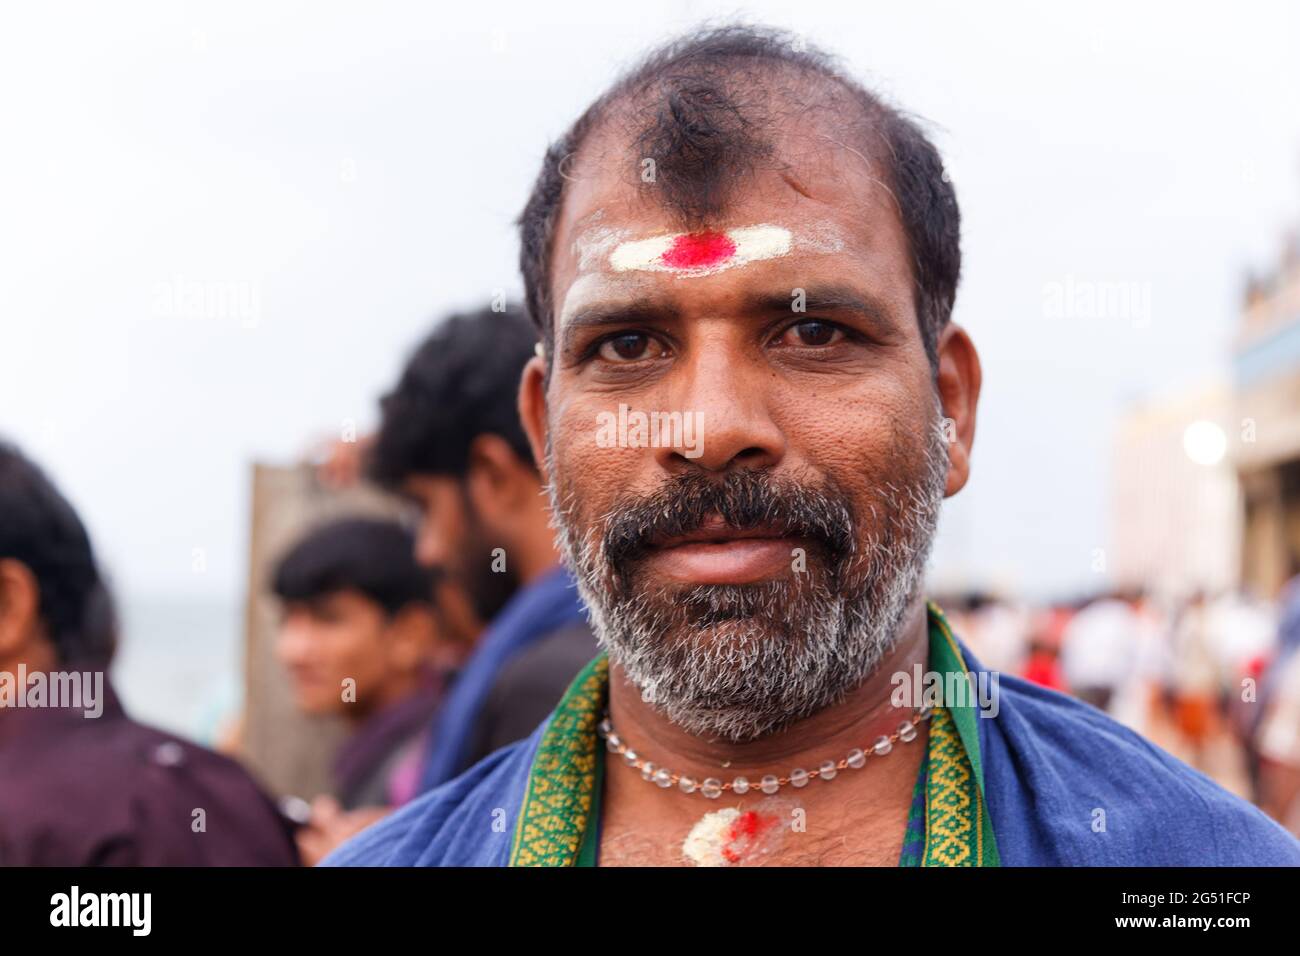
<point x="812" y="333"/>
<point x="625" y="348"/>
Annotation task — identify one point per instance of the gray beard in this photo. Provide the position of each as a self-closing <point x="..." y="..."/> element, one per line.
<point x="741" y="662"/>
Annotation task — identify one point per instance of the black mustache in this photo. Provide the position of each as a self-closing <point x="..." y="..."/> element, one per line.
<point x="743" y="499"/>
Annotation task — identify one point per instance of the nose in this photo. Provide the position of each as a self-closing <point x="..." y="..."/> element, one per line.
<point x="726" y="420"/>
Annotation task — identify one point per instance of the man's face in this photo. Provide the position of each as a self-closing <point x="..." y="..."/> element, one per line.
<point x="452" y="536"/>
<point x="332" y="638"/>
<point x="753" y="577"/>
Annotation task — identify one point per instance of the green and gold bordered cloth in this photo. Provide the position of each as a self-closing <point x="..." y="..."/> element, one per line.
<point x="948" y="825"/>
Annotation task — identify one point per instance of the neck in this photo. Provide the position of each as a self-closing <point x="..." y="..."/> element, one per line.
<point x="864" y="715"/>
<point x="394" y="689"/>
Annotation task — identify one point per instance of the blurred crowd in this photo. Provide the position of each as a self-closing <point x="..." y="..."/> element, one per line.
<point x="1212" y="678"/>
<point x="441" y="637"/>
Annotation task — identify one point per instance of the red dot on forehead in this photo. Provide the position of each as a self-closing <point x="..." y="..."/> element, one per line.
<point x="698" y="250"/>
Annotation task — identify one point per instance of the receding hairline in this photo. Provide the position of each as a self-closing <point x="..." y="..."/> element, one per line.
<point x="780" y="81"/>
<point x="814" y="116"/>
<point x="811" y="99"/>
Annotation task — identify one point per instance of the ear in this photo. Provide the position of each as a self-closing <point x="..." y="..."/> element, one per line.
<point x="958" y="382"/>
<point x="20" y="601"/>
<point x="532" y="411"/>
<point x="493" y="478"/>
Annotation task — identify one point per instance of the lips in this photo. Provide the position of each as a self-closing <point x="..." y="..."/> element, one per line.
<point x="714" y="530"/>
<point x="745" y="527"/>
<point x="717" y="553"/>
<point x="303" y="677"/>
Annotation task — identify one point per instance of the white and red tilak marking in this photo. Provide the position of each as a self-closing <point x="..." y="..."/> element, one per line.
<point x="702" y="253"/>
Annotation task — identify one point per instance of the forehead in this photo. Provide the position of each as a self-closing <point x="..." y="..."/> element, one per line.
<point x="821" y="207"/>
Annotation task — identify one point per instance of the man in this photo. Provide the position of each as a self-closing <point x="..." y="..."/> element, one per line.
<point x="739" y="231"/>
<point x="359" y="637"/>
<point x="81" y="784"/>
<point x="450" y="440"/>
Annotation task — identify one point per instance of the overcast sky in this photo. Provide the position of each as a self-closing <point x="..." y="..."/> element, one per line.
<point x="343" y="174"/>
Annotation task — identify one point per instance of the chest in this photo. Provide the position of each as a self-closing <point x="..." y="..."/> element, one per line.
<point x="772" y="832"/>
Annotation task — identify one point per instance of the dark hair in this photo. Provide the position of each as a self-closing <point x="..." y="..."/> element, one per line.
<point x="705" y="131"/>
<point x="371" y="555"/>
<point x="39" y="529"/>
<point x="462" y="382"/>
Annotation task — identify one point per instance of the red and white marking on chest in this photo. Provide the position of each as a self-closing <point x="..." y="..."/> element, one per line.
<point x="702" y="253"/>
<point x="729" y="837"/>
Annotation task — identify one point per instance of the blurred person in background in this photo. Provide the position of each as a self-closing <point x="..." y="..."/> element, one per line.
<point x="1042" y="665"/>
<point x="359" y="636"/>
<point x="998" y="632"/>
<point x="1277" y="739"/>
<point x="340" y="465"/>
<point x="451" y="442"/>
<point x="1245" y="631"/>
<point x="1097" y="649"/>
<point x="86" y="785"/>
<point x="1139" y="697"/>
<point x="1194" y="677"/>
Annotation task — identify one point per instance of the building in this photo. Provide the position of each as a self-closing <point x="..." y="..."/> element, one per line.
<point x="1266" y="372"/>
<point x="1175" y="507"/>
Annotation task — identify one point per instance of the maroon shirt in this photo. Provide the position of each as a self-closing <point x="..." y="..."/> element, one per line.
<point x="77" y="791"/>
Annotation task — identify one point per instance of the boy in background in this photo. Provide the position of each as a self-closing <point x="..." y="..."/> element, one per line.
<point x="359" y="636"/>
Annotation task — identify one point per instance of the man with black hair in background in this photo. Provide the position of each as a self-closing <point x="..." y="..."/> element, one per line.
<point x="81" y="784"/>
<point x="451" y="442"/>
<point x="360" y="638"/>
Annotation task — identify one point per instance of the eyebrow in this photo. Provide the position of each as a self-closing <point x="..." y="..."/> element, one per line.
<point x="817" y="299"/>
<point x="601" y="315"/>
<point x="828" y="298"/>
